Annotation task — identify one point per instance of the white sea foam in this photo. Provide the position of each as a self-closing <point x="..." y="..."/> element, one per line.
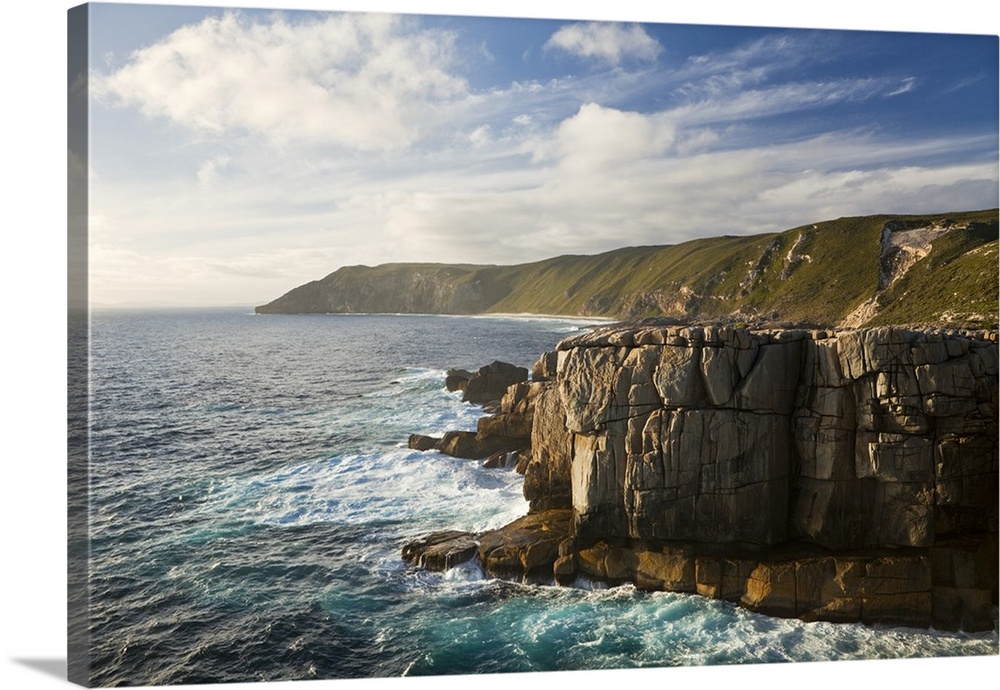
<point x="398" y="485"/>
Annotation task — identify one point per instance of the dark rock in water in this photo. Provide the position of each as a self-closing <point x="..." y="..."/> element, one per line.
<point x="457" y="379"/>
<point x="529" y="546"/>
<point x="467" y="444"/>
<point x="491" y="382"/>
<point x="441" y="550"/>
<point x="460" y="444"/>
<point x="421" y="442"/>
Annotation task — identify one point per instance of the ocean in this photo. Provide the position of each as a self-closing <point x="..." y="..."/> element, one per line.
<point x="251" y="489"/>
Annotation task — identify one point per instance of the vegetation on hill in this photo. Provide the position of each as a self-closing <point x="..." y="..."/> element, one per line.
<point x="873" y="270"/>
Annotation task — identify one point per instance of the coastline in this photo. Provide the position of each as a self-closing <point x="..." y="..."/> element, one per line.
<point x="722" y="461"/>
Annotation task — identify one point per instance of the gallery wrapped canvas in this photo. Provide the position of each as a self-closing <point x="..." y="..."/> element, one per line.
<point x="435" y="345"/>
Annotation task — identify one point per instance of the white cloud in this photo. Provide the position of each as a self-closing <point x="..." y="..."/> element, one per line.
<point x="506" y="175"/>
<point x="608" y="42"/>
<point x="480" y="136"/>
<point x="748" y="65"/>
<point x="733" y="105"/>
<point x="906" y="86"/>
<point x="358" y="80"/>
<point x="597" y="137"/>
<point x="267" y="229"/>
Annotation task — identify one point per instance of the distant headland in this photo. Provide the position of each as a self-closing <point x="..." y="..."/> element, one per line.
<point x="938" y="269"/>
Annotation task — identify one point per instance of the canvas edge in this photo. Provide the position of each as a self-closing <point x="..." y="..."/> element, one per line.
<point x="78" y="349"/>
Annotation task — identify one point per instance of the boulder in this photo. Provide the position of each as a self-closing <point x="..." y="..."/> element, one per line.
<point x="421" y="442"/>
<point x="511" y="425"/>
<point x="457" y="379"/>
<point x="441" y="550"/>
<point x="491" y="381"/>
<point x="545" y="368"/>
<point x="564" y="569"/>
<point x="670" y="568"/>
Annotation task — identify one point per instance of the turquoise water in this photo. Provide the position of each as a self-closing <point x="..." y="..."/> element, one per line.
<point x="251" y="490"/>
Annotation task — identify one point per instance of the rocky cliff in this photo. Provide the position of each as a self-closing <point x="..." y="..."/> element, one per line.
<point x="843" y="475"/>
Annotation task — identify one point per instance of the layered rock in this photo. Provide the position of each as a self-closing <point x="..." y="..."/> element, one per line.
<point x="547" y="481"/>
<point x="527" y="547"/>
<point x="845" y="476"/>
<point x="470" y="445"/>
<point x="857" y="441"/>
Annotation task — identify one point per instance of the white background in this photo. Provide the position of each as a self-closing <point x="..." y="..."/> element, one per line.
<point x="32" y="337"/>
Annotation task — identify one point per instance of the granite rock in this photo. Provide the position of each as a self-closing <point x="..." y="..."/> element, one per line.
<point x="828" y="475"/>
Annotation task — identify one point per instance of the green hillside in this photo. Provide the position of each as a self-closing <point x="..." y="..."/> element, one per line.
<point x="932" y="270"/>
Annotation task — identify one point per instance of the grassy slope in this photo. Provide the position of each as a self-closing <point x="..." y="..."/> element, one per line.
<point x="816" y="273"/>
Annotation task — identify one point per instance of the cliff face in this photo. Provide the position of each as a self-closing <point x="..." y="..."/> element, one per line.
<point x="716" y="460"/>
<point x="397" y="288"/>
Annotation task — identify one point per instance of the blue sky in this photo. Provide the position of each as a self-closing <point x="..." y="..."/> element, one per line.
<point x="238" y="153"/>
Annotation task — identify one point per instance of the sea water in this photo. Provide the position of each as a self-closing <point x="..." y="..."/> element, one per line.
<point x="251" y="489"/>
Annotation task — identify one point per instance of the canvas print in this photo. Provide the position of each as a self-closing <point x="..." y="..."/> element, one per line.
<point x="425" y="345"/>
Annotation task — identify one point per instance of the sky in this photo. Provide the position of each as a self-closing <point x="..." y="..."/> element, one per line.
<point x="238" y="153"/>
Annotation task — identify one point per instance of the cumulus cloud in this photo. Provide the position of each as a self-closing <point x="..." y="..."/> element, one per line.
<point x="363" y="81"/>
<point x="597" y="137"/>
<point x="606" y="42"/>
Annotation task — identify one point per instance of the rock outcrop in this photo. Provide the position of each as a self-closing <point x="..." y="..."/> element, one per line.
<point x="828" y="475"/>
<point x="470" y="445"/>
<point x="502" y="389"/>
<point x="488" y="385"/>
<point x="526" y="548"/>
